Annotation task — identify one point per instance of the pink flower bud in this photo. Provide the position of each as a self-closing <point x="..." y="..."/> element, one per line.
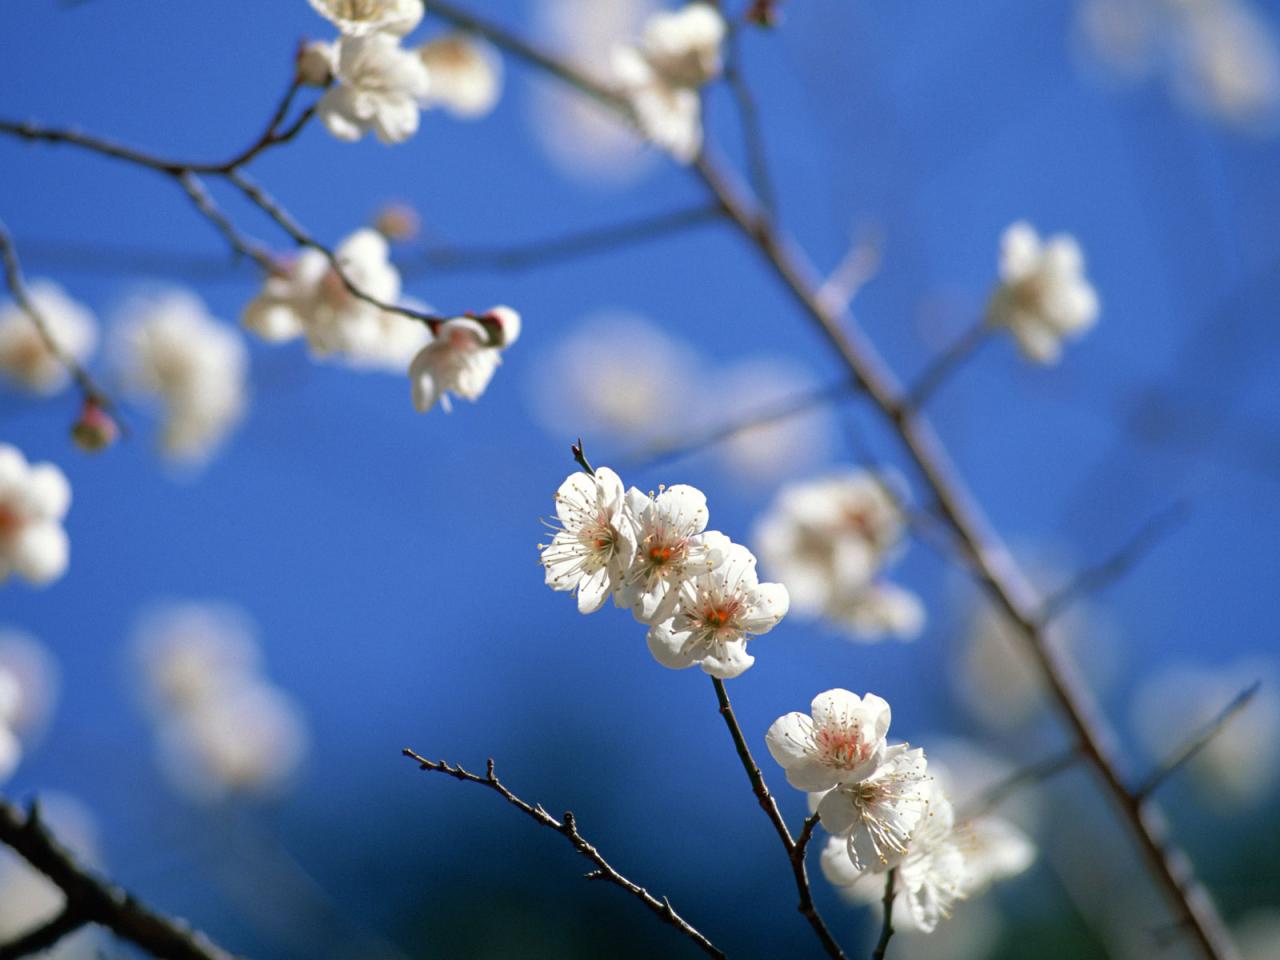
<point x="95" y="429"/>
<point x="314" y="63"/>
<point x="397" y="221"/>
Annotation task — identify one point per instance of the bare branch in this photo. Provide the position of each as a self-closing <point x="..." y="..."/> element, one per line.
<point x="1039" y="772"/>
<point x="567" y="827"/>
<point x="1095" y="578"/>
<point x="886" y="925"/>
<point x="749" y="118"/>
<point x="946" y="363"/>
<point x="44" y="937"/>
<point x="93" y="900"/>
<point x="795" y="851"/>
<point x="1187" y="752"/>
<point x="243" y="246"/>
<point x="859" y="265"/>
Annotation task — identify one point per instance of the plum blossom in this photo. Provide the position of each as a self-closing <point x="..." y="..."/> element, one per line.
<point x="466" y="74"/>
<point x="34" y="497"/>
<point x="595" y="544"/>
<point x="379" y="85"/>
<point x="170" y="349"/>
<point x="843" y="738"/>
<point x="716" y="613"/>
<point x="1043" y="297"/>
<point x="461" y="357"/>
<point x="28" y="688"/>
<point x="671" y="548"/>
<point x="25" y="357"/>
<point x="678" y="53"/>
<point x="877" y="815"/>
<point x="880" y="609"/>
<point x="360" y="18"/>
<point x="308" y="298"/>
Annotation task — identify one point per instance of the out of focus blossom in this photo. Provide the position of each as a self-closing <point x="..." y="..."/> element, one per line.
<point x="34" y="497"/>
<point x="25" y="358"/>
<point x="1257" y="934"/>
<point x="222" y="728"/>
<point x="171" y="350"/>
<point x="595" y="543"/>
<point x="461" y="357"/>
<point x="1237" y="767"/>
<point x="95" y="429"/>
<point x="591" y="387"/>
<point x="378" y="88"/>
<point x="1044" y="297"/>
<point x="398" y="222"/>
<point x="360" y="18"/>
<point x="28" y="899"/>
<point x="466" y="74"/>
<point x="37" y="676"/>
<point x="829" y="540"/>
<point x="316" y="63"/>
<point x="309" y="298"/>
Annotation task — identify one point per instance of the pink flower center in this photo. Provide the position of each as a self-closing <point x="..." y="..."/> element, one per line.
<point x="10" y="522"/>
<point x="843" y="746"/>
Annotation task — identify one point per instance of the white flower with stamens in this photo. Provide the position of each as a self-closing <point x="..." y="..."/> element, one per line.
<point x="671" y="549"/>
<point x="842" y="740"/>
<point x="33" y="500"/>
<point x="172" y="350"/>
<point x="717" y="612"/>
<point x="462" y="357"/>
<point x="1044" y="296"/>
<point x="877" y="815"/>
<point x="378" y="87"/>
<point x="595" y="544"/>
<point x="993" y="849"/>
<point x="358" y="18"/>
<point x="466" y="74"/>
<point x="25" y="358"/>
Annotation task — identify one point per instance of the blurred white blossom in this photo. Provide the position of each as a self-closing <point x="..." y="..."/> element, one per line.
<point x="461" y="357"/>
<point x="25" y="359"/>
<point x="29" y="680"/>
<point x="359" y="18"/>
<point x="34" y="497"/>
<point x="466" y="74"/>
<point x="169" y="348"/>
<point x="1043" y="297"/>
<point x="378" y="88"/>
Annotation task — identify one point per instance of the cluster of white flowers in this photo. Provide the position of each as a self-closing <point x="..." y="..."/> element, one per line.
<point x="25" y="357"/>
<point x="169" y="348"/>
<point x="678" y="53"/>
<point x="34" y="497"/>
<point x="462" y="357"/>
<point x="694" y="588"/>
<point x="830" y="539"/>
<point x="221" y="727"/>
<point x="1043" y="297"/>
<point x="885" y="811"/>
<point x="377" y="85"/>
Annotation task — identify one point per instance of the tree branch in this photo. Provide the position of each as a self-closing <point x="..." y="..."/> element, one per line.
<point x="44" y="937"/>
<point x="946" y="363"/>
<point x="92" y="900"/>
<point x="886" y="926"/>
<point x="996" y="794"/>
<point x="567" y="827"/>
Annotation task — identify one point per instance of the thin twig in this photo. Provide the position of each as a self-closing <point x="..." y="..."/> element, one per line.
<point x="1196" y="743"/>
<point x="946" y="363"/>
<point x="568" y="828"/>
<point x="855" y="269"/>
<point x="886" y="925"/>
<point x="242" y="245"/>
<point x="1095" y="578"/>
<point x="97" y="901"/>
<point x="1000" y="791"/>
<point x="795" y="852"/>
<point x="749" y="118"/>
<point x="44" y="937"/>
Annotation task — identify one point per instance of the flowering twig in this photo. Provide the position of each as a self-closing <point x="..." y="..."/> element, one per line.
<point x="18" y="288"/>
<point x="1119" y="563"/>
<point x="91" y="900"/>
<point x="946" y="363"/>
<point x="795" y="851"/>
<point x="1196" y="743"/>
<point x="568" y="828"/>
<point x="886" y="925"/>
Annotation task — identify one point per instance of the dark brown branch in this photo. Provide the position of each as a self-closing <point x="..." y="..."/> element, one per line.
<point x="794" y="850"/>
<point x="1187" y="752"/>
<point x="93" y="900"/>
<point x="567" y="827"/>
<point x="886" y="925"/>
<point x="946" y="363"/>
<point x="44" y="937"/>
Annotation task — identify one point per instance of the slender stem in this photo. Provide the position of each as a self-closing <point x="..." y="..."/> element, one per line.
<point x="886" y="926"/>
<point x="946" y="363"/>
<point x="195" y="189"/>
<point x="749" y="118"/>
<point x="567" y="827"/>
<point x="794" y="850"/>
<point x="1187" y="752"/>
<point x="996" y="794"/>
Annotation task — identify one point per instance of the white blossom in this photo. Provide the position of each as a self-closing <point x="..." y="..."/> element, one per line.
<point x="684" y="45"/>
<point x="25" y="358"/>
<point x="717" y="612"/>
<point x="188" y="652"/>
<point x="877" y="815"/>
<point x="466" y="74"/>
<point x="308" y="298"/>
<point x="34" y="497"/>
<point x="671" y="548"/>
<point x="359" y="18"/>
<point x="880" y="609"/>
<point x="461" y="357"/>
<point x="842" y="739"/>
<point x="29" y="679"/>
<point x="378" y="87"/>
<point x="993" y="849"/>
<point x="595" y="543"/>
<point x="10" y="745"/>
<point x="172" y="350"/>
<point x="1043" y="296"/>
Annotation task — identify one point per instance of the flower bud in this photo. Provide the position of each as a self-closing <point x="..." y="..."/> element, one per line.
<point x="397" y="221"/>
<point x="314" y="63"/>
<point x="95" y="429"/>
